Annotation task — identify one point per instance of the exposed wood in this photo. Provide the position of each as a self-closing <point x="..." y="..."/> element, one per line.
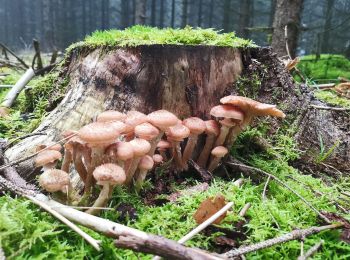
<point x="17" y="88"/>
<point x="166" y="248"/>
<point x="295" y="234"/>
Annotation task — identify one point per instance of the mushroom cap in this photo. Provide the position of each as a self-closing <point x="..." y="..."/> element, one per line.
<point x="53" y="146"/>
<point x="219" y="151"/>
<point x="212" y="127"/>
<point x="227" y="111"/>
<point x="228" y="122"/>
<point x="134" y="118"/>
<point x="163" y="145"/>
<point x="146" y="163"/>
<point x="109" y="173"/>
<point x="157" y="158"/>
<point x="119" y="126"/>
<point x="99" y="133"/>
<point x="146" y="131"/>
<point x="250" y="106"/>
<point x="178" y="132"/>
<point x="140" y="146"/>
<point x="46" y="157"/>
<point x="195" y="124"/>
<point x="68" y="133"/>
<point x="125" y="151"/>
<point x="111" y="115"/>
<point x="54" y="180"/>
<point x="162" y="119"/>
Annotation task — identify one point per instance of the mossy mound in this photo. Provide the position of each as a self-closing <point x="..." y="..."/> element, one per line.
<point x="145" y="35"/>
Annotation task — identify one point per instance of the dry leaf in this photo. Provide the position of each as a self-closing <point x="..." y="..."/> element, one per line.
<point x="208" y="208"/>
<point x="290" y="64"/>
<point x="343" y="89"/>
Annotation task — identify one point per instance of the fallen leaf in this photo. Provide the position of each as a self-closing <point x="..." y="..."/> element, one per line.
<point x="208" y="208"/>
<point x="343" y="89"/>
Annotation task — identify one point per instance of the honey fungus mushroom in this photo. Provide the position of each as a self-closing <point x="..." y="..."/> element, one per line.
<point x="146" y="163"/>
<point x="110" y="115"/>
<point x="54" y="180"/>
<point x="175" y="135"/>
<point x="107" y="175"/>
<point x="217" y="154"/>
<point x="212" y="130"/>
<point x="47" y="159"/>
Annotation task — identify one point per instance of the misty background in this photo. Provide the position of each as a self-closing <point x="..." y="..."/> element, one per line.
<point x="325" y="24"/>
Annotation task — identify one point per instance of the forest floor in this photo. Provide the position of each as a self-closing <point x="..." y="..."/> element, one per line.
<point x="26" y="232"/>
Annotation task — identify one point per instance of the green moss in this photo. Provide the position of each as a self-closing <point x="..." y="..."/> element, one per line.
<point x="145" y="35"/>
<point x="328" y="67"/>
<point x="249" y="87"/>
<point x="332" y="98"/>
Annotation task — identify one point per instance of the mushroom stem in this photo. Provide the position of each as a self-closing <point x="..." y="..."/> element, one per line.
<point x="67" y="159"/>
<point x="222" y="136"/>
<point x="141" y="176"/>
<point x="232" y="136"/>
<point x="191" y="144"/>
<point x="214" y="163"/>
<point x="78" y="163"/>
<point x="102" y="199"/>
<point x="154" y="143"/>
<point x="203" y="157"/>
<point x="177" y="154"/>
<point x="132" y="169"/>
<point x="96" y="159"/>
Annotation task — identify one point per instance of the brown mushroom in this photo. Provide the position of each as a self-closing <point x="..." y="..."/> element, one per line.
<point x="111" y="115"/>
<point x="133" y="119"/>
<point x="217" y="153"/>
<point x="162" y="146"/>
<point x="161" y="119"/>
<point x="107" y="175"/>
<point x="232" y="114"/>
<point x="146" y="163"/>
<point x="251" y="109"/>
<point x="148" y="132"/>
<point x="54" y="180"/>
<point x="47" y="159"/>
<point x="158" y="159"/>
<point x="141" y="147"/>
<point x="196" y="127"/>
<point x="175" y="135"/>
<point x="212" y="130"/>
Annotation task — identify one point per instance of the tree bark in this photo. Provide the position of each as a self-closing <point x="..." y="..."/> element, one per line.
<point x="287" y="13"/>
<point x="140" y="12"/>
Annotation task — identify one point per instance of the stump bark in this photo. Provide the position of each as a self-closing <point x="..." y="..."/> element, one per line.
<point x="186" y="80"/>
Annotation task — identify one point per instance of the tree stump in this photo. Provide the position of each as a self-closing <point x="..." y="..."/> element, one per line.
<point x="186" y="80"/>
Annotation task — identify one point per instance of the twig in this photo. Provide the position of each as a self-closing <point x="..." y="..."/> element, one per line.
<point x="2" y="254"/>
<point x="93" y="242"/>
<point x="14" y="55"/>
<point x="37" y="55"/>
<point x="295" y="234"/>
<point x="34" y="154"/>
<point x="311" y="251"/>
<point x="330" y="108"/>
<point x="324" y="86"/>
<point x="81" y="207"/>
<point x="21" y="138"/>
<point x="345" y="193"/>
<point x="285" y="185"/>
<point x="238" y="183"/>
<point x="286" y="40"/>
<point x="265" y="188"/>
<point x="244" y="210"/>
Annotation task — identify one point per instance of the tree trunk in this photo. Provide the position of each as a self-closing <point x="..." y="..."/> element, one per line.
<point x="199" y="20"/>
<point x="244" y="18"/>
<point x="153" y="13"/>
<point x="184" y="13"/>
<point x="161" y="14"/>
<point x="140" y="12"/>
<point x="227" y="15"/>
<point x="172" y="13"/>
<point x="287" y="13"/>
<point x="327" y="26"/>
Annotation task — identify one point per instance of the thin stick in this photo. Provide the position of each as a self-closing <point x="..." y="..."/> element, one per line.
<point x="14" y="55"/>
<point x="330" y="108"/>
<point x="32" y="155"/>
<point x="285" y="185"/>
<point x="238" y="183"/>
<point x="77" y="207"/>
<point x="244" y="210"/>
<point x="311" y="251"/>
<point x="286" y="39"/>
<point x="93" y="242"/>
<point x="295" y="234"/>
<point x="202" y="226"/>
<point x="21" y="138"/>
<point x="265" y="188"/>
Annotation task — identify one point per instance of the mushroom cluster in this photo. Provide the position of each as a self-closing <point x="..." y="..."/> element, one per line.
<point x="120" y="149"/>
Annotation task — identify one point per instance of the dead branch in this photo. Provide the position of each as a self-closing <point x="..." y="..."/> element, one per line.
<point x="265" y="188"/>
<point x="295" y="234"/>
<point x="14" y="55"/>
<point x="283" y="184"/>
<point x="330" y="108"/>
<point x="311" y="251"/>
<point x="166" y="248"/>
<point x="205" y="175"/>
<point x="37" y="56"/>
<point x="324" y="86"/>
<point x="54" y="57"/>
<point x="244" y="210"/>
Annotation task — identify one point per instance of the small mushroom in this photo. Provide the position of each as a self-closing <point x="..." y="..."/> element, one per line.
<point x="162" y="146"/>
<point x="212" y="130"/>
<point x="217" y="153"/>
<point x="146" y="163"/>
<point x="158" y="159"/>
<point x="121" y="152"/>
<point x="54" y="180"/>
<point x="175" y="135"/>
<point x="234" y="115"/>
<point x="49" y="146"/>
<point x="148" y="132"/>
<point x="107" y="175"/>
<point x="161" y="119"/>
<point x="140" y="147"/>
<point x="196" y="127"/>
<point x="47" y="159"/>
<point x="133" y="119"/>
<point x="111" y="115"/>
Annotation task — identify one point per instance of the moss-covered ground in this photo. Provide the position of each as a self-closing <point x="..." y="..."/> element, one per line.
<point x="26" y="232"/>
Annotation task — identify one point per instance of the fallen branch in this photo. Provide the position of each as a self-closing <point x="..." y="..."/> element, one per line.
<point x="37" y="56"/>
<point x="283" y="184"/>
<point x="324" y="86"/>
<point x="311" y="251"/>
<point x="295" y="234"/>
<point x="244" y="210"/>
<point x="330" y="108"/>
<point x="14" y="55"/>
<point x="93" y="242"/>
